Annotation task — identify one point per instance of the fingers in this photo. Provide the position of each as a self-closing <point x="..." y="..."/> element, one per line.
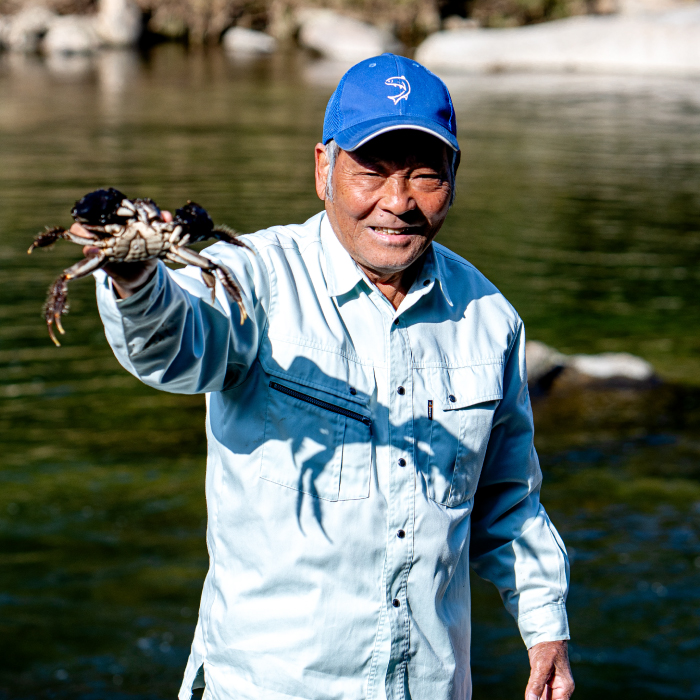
<point x="79" y="230"/>
<point x="89" y="251"/>
<point x="550" y="675"/>
<point x="167" y="216"/>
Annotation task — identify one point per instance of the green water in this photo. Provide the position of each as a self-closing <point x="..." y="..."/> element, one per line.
<point x="579" y="197"/>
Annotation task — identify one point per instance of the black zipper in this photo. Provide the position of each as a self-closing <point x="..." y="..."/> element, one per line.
<point x="323" y="404"/>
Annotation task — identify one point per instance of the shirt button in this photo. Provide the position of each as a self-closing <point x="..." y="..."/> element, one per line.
<point x="401" y="391"/>
<point x="402" y="462"/>
<point x="353" y="391"/>
<point x="426" y="283"/>
<point x="452" y="398"/>
<point x="396" y="321"/>
<point x="401" y="534"/>
<point x="396" y="602"/>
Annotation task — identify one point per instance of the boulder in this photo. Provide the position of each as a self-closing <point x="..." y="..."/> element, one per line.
<point x="542" y="361"/>
<point x="72" y="34"/>
<point x="652" y="43"/>
<point x="5" y="24"/>
<point x="545" y="365"/>
<point x="118" y="22"/>
<point x="238" y="40"/>
<point x="342" y="38"/>
<point x="612" y="365"/>
<point x="24" y="31"/>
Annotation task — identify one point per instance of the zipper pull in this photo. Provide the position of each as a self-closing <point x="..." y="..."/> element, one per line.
<point x="430" y="409"/>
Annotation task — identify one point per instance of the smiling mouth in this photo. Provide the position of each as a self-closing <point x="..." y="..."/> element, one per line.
<point x="393" y="231"/>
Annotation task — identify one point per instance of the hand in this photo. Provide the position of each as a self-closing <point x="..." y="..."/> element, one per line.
<point x="127" y="278"/>
<point x="550" y="674"/>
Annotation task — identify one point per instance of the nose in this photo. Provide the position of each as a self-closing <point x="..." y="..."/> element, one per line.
<point x="396" y="197"/>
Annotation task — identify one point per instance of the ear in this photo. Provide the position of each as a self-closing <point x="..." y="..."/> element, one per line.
<point x="321" y="170"/>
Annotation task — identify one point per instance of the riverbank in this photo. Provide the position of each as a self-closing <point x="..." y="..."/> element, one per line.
<point x="408" y="22"/>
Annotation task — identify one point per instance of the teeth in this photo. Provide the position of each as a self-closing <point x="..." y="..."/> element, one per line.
<point x="389" y="231"/>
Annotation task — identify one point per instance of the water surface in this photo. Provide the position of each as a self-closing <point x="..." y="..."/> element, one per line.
<point x="579" y="197"/>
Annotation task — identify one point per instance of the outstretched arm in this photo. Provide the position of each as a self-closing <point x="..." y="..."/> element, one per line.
<point x="165" y="330"/>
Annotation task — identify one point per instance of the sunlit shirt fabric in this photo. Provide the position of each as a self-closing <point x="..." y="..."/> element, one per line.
<point x="360" y="460"/>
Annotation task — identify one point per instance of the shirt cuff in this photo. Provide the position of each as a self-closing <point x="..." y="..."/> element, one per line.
<point x="138" y="302"/>
<point x="547" y="624"/>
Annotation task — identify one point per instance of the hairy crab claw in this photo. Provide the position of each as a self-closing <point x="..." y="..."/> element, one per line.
<point x="122" y="230"/>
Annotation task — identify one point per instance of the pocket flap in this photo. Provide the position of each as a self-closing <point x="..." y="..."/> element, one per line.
<point x="326" y="371"/>
<point x="459" y="387"/>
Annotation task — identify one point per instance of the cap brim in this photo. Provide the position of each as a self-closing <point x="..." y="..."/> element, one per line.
<point x="355" y="136"/>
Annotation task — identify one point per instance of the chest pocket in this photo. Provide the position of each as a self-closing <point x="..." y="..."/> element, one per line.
<point x="318" y="437"/>
<point x="459" y="423"/>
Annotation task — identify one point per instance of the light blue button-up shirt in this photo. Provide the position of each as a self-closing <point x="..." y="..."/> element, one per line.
<point x="360" y="459"/>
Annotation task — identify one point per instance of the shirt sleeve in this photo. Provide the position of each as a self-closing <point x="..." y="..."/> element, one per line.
<point x="170" y="334"/>
<point x="514" y="544"/>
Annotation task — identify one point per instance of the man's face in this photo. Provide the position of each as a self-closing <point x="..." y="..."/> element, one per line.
<point x="390" y="198"/>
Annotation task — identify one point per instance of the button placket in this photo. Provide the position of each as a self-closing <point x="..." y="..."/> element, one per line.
<point x="402" y="499"/>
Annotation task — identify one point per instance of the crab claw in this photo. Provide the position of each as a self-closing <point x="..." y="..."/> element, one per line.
<point x="100" y="207"/>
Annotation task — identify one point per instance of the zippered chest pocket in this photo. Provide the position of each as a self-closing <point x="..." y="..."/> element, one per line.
<point x="315" y="445"/>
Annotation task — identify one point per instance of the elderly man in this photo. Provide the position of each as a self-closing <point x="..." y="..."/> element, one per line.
<point x="369" y="426"/>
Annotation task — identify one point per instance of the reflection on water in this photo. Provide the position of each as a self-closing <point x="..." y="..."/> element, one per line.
<point x="579" y="197"/>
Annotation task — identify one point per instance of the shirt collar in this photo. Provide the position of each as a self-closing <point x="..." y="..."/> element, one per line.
<point x="434" y="268"/>
<point x="343" y="274"/>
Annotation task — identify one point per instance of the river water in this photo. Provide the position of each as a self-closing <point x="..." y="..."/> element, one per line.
<point x="578" y="196"/>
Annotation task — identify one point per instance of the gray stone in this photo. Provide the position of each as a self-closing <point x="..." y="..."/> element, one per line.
<point x="118" y="22"/>
<point x="238" y="40"/>
<point x="543" y="362"/>
<point x="72" y="34"/>
<point x="23" y="32"/>
<point x="612" y="365"/>
<point x="342" y="38"/>
<point x="652" y="43"/>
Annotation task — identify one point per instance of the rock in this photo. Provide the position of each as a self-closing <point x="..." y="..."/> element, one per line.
<point x="542" y="361"/>
<point x="25" y="30"/>
<point x="644" y="7"/>
<point x="5" y="24"/>
<point x="342" y="38"/>
<point x="654" y="43"/>
<point x="118" y="22"/>
<point x="167" y="23"/>
<point x="545" y="364"/>
<point x="612" y="365"/>
<point x="455" y="22"/>
<point x="238" y="40"/>
<point x="72" y="34"/>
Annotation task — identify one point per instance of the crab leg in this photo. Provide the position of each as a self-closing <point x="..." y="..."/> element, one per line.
<point x="189" y="257"/>
<point x="227" y="234"/>
<point x="55" y="305"/>
<point x="47" y="238"/>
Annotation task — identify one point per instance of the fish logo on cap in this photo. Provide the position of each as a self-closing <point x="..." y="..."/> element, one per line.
<point x="400" y="82"/>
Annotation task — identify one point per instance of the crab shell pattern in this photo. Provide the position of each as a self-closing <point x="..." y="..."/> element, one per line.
<point x="124" y="231"/>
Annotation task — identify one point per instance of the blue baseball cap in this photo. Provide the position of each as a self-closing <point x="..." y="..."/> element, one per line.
<point x="385" y="93"/>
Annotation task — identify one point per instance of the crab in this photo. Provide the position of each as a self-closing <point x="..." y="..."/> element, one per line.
<point x="134" y="230"/>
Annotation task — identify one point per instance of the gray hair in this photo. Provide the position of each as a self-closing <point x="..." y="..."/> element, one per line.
<point x="333" y="149"/>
